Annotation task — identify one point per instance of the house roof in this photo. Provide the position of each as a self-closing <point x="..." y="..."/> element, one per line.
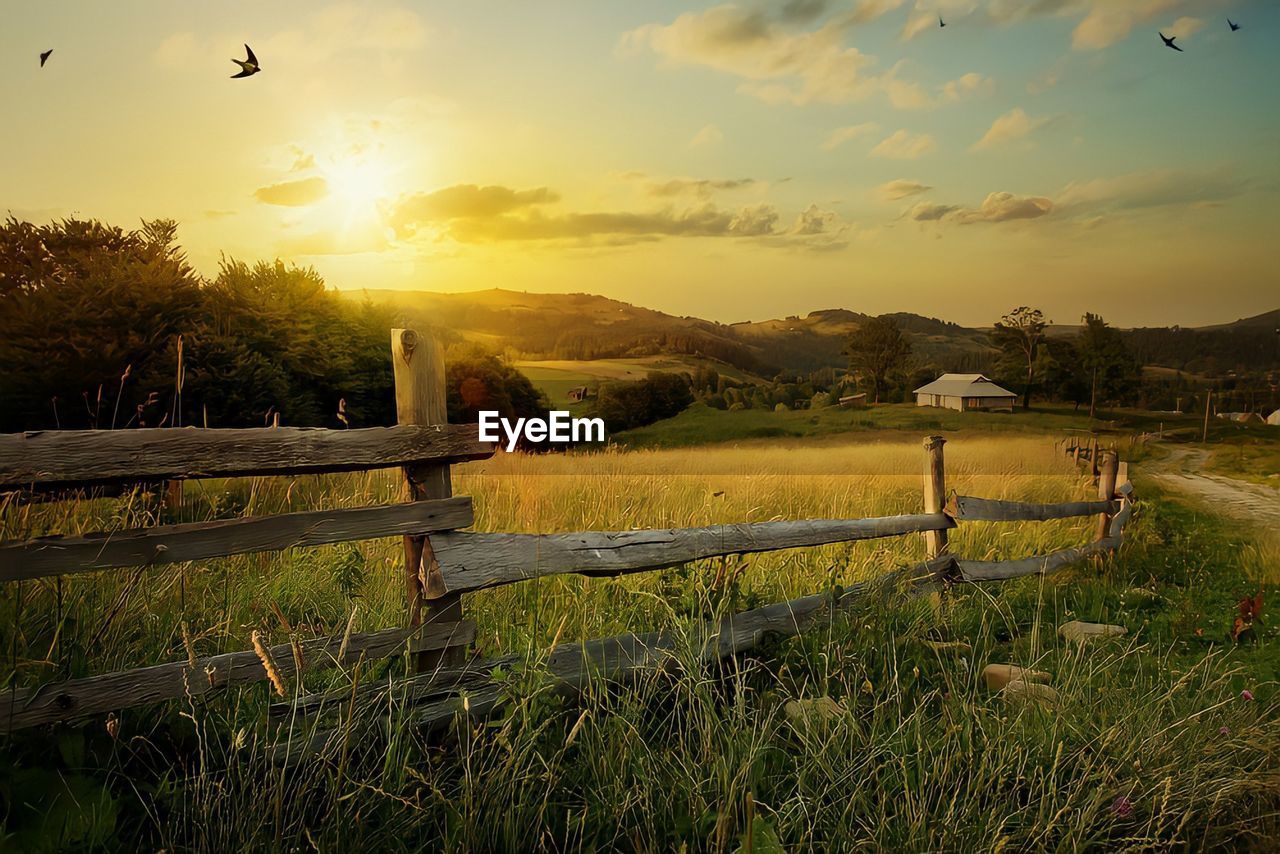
<point x="964" y="385"/>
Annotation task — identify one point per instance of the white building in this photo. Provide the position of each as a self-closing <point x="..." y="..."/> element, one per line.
<point x="965" y="392"/>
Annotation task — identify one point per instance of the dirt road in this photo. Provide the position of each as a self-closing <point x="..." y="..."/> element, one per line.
<point x="1184" y="470"/>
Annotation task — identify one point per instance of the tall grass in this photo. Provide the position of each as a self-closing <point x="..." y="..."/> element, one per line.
<point x="922" y="758"/>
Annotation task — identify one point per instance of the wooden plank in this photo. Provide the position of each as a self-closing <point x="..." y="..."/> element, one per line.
<point x="473" y="561"/>
<point x="418" y="365"/>
<point x="437" y="697"/>
<point x="966" y="508"/>
<point x="935" y="493"/>
<point x="999" y="570"/>
<point x="94" y="695"/>
<point x="62" y="458"/>
<point x="200" y="540"/>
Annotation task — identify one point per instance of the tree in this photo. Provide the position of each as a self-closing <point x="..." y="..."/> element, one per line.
<point x="878" y="348"/>
<point x="624" y="405"/>
<point x="1113" y="372"/>
<point x="477" y="380"/>
<point x="1018" y="336"/>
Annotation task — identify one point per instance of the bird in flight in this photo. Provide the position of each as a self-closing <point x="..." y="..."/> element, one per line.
<point x="44" y="57"/>
<point x="249" y="66"/>
<point x="1233" y="25"/>
<point x="1169" y="42"/>
<point x="941" y="23"/>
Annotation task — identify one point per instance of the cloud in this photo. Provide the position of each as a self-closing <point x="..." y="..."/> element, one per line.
<point x="1184" y="28"/>
<point x="901" y="189"/>
<point x="1151" y="189"/>
<point x="782" y="63"/>
<point x="700" y="187"/>
<point x="995" y="208"/>
<point x="929" y="212"/>
<point x="1099" y="23"/>
<point x="708" y="135"/>
<point x="464" y="201"/>
<point x="1012" y="126"/>
<point x="330" y="32"/>
<point x="703" y="221"/>
<point x="1006" y="207"/>
<point x="306" y="191"/>
<point x="1108" y="22"/>
<point x="467" y="213"/>
<point x="904" y="145"/>
<point x="840" y="136"/>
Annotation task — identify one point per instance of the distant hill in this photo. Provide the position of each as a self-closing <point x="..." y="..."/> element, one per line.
<point x="579" y="326"/>
<point x="1266" y="320"/>
<point x="538" y="326"/>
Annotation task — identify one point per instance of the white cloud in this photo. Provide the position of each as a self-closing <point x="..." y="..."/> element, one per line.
<point x="840" y="136"/>
<point x="1184" y="28"/>
<point x="1012" y="126"/>
<point x="901" y="188"/>
<point x="904" y="145"/>
<point x="782" y="64"/>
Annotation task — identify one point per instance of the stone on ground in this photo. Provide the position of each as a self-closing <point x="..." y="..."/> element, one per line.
<point x="998" y="676"/>
<point x="1020" y="690"/>
<point x="1078" y="632"/>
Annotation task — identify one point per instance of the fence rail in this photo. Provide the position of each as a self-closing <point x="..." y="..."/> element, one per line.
<point x="53" y="459"/>
<point x="442" y="562"/>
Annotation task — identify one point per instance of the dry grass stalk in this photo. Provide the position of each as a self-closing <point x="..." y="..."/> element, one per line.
<point x="269" y="664"/>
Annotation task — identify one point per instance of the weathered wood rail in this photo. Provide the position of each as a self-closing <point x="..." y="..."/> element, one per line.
<point x="443" y="562"/>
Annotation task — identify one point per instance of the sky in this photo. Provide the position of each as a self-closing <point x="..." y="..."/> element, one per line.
<point x="734" y="161"/>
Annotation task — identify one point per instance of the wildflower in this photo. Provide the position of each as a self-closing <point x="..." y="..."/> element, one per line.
<point x="1122" y="807"/>
<point x="1246" y="694"/>
<point x="1224" y="730"/>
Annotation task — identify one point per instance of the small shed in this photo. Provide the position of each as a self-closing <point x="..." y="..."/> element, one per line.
<point x="854" y="401"/>
<point x="965" y="392"/>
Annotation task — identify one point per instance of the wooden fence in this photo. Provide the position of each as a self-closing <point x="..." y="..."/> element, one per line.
<point x="442" y="562"/>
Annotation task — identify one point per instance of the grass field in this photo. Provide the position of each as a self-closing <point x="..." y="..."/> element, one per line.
<point x="1152" y="744"/>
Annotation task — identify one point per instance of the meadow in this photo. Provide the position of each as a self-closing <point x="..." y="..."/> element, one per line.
<point x="1152" y="744"/>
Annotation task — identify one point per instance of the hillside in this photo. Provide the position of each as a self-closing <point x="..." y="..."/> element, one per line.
<point x="537" y="326"/>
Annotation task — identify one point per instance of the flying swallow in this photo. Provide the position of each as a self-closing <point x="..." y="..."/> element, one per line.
<point x="1169" y="42"/>
<point x="1233" y="25"/>
<point x="44" y="57"/>
<point x="248" y="67"/>
<point x="941" y="23"/>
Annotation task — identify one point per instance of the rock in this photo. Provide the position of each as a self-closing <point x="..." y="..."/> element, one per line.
<point x="1078" y="632"/>
<point x="998" y="676"/>
<point x="818" y="709"/>
<point x="949" y="646"/>
<point x="1020" y="690"/>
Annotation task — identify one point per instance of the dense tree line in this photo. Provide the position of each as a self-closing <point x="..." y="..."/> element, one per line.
<point x="106" y="327"/>
<point x="624" y="405"/>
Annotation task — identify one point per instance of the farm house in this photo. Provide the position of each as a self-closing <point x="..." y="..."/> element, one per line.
<point x="964" y="392"/>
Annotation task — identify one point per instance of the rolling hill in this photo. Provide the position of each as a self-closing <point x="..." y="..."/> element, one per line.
<point x="576" y="327"/>
<point x="579" y="327"/>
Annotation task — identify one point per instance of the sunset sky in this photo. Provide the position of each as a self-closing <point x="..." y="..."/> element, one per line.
<point x="736" y="161"/>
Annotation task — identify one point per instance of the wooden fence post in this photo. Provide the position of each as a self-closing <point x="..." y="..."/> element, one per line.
<point x="418" y="363"/>
<point x="1108" y="470"/>
<point x="935" y="493"/>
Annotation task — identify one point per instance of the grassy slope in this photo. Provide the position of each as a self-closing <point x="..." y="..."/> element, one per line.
<point x="556" y="377"/>
<point x="925" y="757"/>
<point x="702" y="425"/>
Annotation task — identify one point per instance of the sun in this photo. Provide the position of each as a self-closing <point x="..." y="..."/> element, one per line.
<point x="358" y="183"/>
